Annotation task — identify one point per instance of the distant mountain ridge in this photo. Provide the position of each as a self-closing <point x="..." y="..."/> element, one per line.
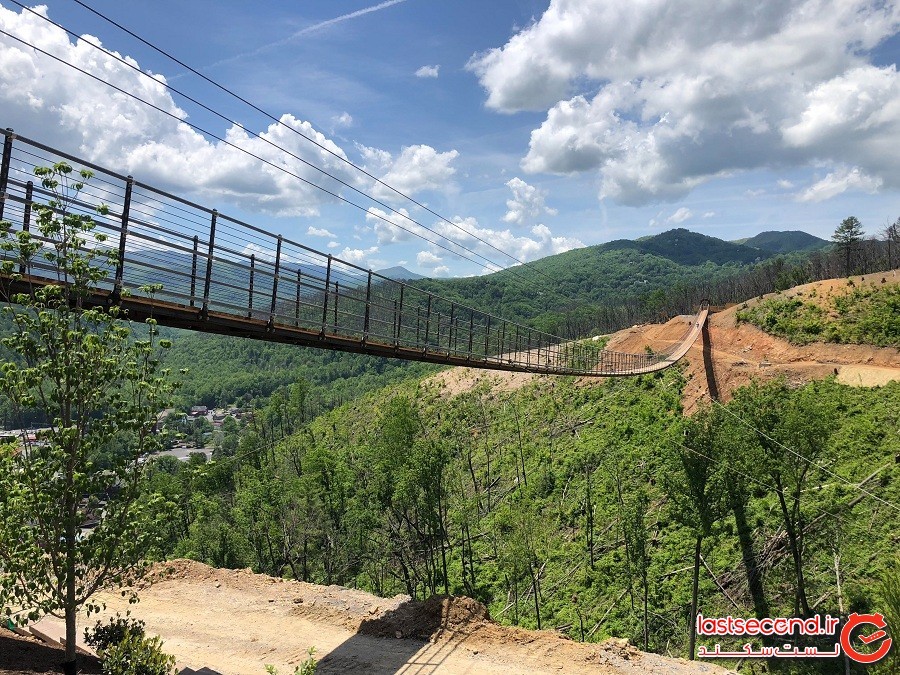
<point x="398" y="273"/>
<point x="789" y="241"/>
<point x="610" y="274"/>
<point x="689" y="248"/>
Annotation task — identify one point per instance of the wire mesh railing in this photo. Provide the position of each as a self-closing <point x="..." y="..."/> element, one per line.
<point x="214" y="267"/>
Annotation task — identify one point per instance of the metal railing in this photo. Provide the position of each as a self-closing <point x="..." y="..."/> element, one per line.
<point x="221" y="274"/>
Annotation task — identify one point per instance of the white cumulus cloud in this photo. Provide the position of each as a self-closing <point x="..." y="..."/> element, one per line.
<point x="44" y="99"/>
<point x="840" y="181"/>
<point x="527" y="203"/>
<point x="319" y="232"/>
<point x="416" y="169"/>
<point x="659" y="96"/>
<point x="345" y="119"/>
<point x="392" y="227"/>
<point x="357" y="256"/>
<point x="428" y="71"/>
<point x="428" y="259"/>
<point x="680" y="215"/>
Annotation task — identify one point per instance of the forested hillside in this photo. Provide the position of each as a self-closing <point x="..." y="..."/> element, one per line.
<point x="785" y="242"/>
<point x="564" y="505"/>
<point x="224" y="369"/>
<point x="603" y="288"/>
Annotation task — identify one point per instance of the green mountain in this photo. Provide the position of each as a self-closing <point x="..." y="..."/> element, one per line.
<point x="689" y="248"/>
<point x="786" y="242"/>
<point x="612" y="274"/>
<point x="399" y="273"/>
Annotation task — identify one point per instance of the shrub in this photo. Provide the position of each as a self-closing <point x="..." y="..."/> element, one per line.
<point x="124" y="648"/>
<point x="103" y="636"/>
<point x="137" y="655"/>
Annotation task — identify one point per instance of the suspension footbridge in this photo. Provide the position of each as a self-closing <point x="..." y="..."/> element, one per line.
<point x="222" y="275"/>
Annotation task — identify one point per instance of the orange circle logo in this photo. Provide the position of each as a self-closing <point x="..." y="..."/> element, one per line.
<point x="854" y="621"/>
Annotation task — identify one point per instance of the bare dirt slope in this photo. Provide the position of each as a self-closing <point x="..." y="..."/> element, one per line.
<point x="235" y="622"/>
<point x="736" y="353"/>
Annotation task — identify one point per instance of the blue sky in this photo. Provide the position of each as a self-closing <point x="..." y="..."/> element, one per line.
<point x="538" y="126"/>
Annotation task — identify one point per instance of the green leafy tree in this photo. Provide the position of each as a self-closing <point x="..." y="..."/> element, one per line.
<point x="96" y="384"/>
<point x="788" y="431"/>
<point x="637" y="544"/>
<point x="696" y="485"/>
<point x="847" y="236"/>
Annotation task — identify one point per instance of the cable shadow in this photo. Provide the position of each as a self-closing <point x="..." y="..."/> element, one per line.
<point x="399" y="641"/>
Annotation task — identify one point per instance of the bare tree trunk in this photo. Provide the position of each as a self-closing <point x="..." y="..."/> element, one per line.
<point x="692" y="630"/>
<point x="536" y="589"/>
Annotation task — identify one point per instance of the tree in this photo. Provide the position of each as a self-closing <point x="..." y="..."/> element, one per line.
<point x="847" y="236"/>
<point x="892" y="237"/>
<point x="788" y="431"/>
<point x="97" y="384"/>
<point x="696" y="484"/>
<point x="637" y="546"/>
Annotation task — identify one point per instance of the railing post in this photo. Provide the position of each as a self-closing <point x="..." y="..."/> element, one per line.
<point x="450" y="334"/>
<point x="516" y="348"/>
<point x="399" y="317"/>
<point x="368" y="301"/>
<point x="471" y="330"/>
<point x="204" y="311"/>
<point x="252" y="275"/>
<point x="528" y="348"/>
<point x="437" y="333"/>
<point x="4" y="167"/>
<point x="275" y="283"/>
<point x="427" y="322"/>
<point x="26" y="219"/>
<point x="194" y="269"/>
<point x="418" y="323"/>
<point x="297" y="306"/>
<point x="487" y="337"/>
<point x="337" y="293"/>
<point x="123" y="233"/>
<point x="502" y="337"/>
<point x="325" y="300"/>
<point x="394" y="326"/>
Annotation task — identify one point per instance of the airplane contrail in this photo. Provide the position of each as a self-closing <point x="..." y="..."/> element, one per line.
<point x="309" y="29"/>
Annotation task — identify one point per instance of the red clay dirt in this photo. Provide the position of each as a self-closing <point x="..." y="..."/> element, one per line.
<point x="740" y="353"/>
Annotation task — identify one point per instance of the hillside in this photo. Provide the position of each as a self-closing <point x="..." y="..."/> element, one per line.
<point x="552" y="503"/>
<point x="529" y="494"/>
<point x="740" y="353"/>
<point x="786" y="242"/>
<point x="223" y="369"/>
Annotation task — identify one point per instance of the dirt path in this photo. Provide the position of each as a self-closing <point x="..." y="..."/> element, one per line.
<point x="235" y="622"/>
